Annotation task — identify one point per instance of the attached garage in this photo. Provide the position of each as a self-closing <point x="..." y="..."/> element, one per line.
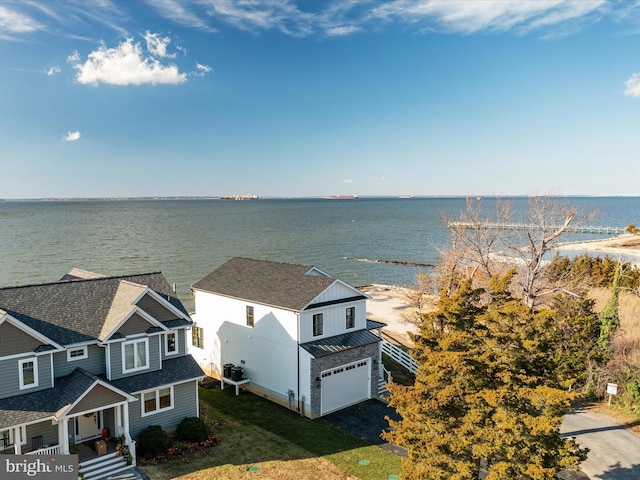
<point x="345" y="385"/>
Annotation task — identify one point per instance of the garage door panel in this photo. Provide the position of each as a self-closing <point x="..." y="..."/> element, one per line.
<point x="345" y="385"/>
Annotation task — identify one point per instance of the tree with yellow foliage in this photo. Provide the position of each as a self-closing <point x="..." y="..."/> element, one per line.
<point x="486" y="396"/>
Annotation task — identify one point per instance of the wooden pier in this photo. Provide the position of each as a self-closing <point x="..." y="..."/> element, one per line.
<point x="531" y="226"/>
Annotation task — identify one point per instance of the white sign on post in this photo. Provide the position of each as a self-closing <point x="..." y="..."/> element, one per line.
<point x="612" y="388"/>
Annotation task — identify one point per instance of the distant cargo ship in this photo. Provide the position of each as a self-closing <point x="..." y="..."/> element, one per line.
<point x="239" y="197"/>
<point x="341" y="197"/>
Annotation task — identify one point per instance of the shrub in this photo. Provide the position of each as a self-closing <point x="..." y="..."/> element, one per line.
<point x="192" y="429"/>
<point x="153" y="441"/>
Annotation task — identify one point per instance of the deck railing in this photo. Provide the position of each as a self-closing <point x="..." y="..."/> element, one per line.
<point x="399" y="355"/>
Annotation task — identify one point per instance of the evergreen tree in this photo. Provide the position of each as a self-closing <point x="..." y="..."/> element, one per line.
<point x="484" y="392"/>
<point x="609" y="320"/>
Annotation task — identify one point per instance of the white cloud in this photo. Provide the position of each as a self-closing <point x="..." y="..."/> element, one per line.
<point x="157" y="45"/>
<point x="202" y="70"/>
<point x="51" y="71"/>
<point x="633" y="86"/>
<point x="347" y="181"/>
<point x="71" y="136"/>
<point x="74" y="57"/>
<point x="12" y="23"/>
<point x="125" y="64"/>
<point x="343" y="30"/>
<point x="471" y="16"/>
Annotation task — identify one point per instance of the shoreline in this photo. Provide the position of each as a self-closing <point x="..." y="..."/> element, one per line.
<point x="627" y="245"/>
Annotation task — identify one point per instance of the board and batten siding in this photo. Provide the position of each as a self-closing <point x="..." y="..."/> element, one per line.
<point x="334" y="320"/>
<point x="184" y="405"/>
<point x="156" y="342"/>
<point x="94" y="363"/>
<point x="10" y="376"/>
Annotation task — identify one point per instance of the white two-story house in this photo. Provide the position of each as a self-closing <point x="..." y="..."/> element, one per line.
<point x="89" y="357"/>
<point x="299" y="335"/>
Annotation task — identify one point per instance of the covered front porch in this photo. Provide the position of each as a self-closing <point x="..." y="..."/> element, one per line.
<point x="81" y="408"/>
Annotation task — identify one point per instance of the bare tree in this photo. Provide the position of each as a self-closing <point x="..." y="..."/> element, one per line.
<point x="484" y="245"/>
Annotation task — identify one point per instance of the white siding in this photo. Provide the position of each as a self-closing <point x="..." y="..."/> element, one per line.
<point x="334" y="320"/>
<point x="268" y="349"/>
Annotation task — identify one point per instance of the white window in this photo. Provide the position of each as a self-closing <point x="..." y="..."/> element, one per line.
<point x="28" y="370"/>
<point x="171" y="343"/>
<point x="157" y="401"/>
<point x="77" y="353"/>
<point x="197" y="337"/>
<point x="135" y="355"/>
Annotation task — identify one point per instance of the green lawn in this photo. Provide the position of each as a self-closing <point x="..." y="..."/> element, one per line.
<point x="260" y="440"/>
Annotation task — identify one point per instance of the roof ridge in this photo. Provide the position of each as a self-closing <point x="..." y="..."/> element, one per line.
<point x="78" y="280"/>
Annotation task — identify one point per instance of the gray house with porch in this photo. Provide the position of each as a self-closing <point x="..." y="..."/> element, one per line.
<point x="90" y="359"/>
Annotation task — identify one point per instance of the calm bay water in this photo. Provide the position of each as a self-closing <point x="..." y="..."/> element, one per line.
<point x="186" y="239"/>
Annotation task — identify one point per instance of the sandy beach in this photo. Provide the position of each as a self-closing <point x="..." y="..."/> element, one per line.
<point x="390" y="305"/>
<point x="626" y="245"/>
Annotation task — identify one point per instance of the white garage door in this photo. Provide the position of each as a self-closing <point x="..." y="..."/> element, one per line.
<point x="345" y="385"/>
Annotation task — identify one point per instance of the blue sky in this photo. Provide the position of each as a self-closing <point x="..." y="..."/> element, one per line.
<point x="280" y="98"/>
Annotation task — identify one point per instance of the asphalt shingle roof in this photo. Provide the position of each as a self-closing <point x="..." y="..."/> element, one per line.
<point x="339" y="343"/>
<point x="80" y="309"/>
<point x="278" y="284"/>
<point x="176" y="370"/>
<point x="36" y="406"/>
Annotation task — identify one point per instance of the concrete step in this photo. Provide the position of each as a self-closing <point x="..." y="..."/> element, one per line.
<point x="103" y="467"/>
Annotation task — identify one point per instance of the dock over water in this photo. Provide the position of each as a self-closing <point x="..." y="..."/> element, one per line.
<point x="531" y="226"/>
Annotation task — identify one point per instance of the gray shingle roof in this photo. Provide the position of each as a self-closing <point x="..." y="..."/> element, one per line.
<point x="176" y="370"/>
<point x="340" y="343"/>
<point x="76" y="310"/>
<point x="37" y="406"/>
<point x="278" y="284"/>
<point x="44" y="404"/>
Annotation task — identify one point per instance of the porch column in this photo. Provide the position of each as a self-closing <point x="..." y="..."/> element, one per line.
<point x="17" y="441"/>
<point x="125" y="420"/>
<point x="63" y="436"/>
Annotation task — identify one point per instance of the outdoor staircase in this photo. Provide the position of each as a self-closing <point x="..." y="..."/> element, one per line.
<point x="383" y="393"/>
<point x="104" y="466"/>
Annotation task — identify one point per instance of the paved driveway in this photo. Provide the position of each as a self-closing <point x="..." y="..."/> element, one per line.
<point x="614" y="453"/>
<point x="366" y="420"/>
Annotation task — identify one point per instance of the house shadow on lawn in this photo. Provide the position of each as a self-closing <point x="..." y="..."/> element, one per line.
<point x="256" y="432"/>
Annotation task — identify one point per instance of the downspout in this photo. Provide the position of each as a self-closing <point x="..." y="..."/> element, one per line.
<point x="298" y="355"/>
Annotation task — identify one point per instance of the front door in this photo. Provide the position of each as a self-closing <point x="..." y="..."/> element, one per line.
<point x="87" y="426"/>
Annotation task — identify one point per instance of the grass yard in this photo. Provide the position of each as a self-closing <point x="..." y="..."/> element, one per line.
<point x="262" y="440"/>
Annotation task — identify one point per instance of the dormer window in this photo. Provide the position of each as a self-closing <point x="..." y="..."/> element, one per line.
<point x="170" y="343"/>
<point x="135" y="355"/>
<point x="28" y="370"/>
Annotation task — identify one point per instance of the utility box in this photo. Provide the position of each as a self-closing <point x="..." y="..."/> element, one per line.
<point x="101" y="447"/>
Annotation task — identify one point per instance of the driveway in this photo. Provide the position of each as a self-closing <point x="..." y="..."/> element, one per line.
<point x="367" y="421"/>
<point x="614" y="453"/>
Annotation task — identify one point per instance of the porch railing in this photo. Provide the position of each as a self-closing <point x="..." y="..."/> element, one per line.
<point x="399" y="355"/>
<point x="55" y="450"/>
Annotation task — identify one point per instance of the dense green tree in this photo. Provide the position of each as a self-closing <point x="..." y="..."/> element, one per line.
<point x="485" y="392"/>
<point x="609" y="319"/>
